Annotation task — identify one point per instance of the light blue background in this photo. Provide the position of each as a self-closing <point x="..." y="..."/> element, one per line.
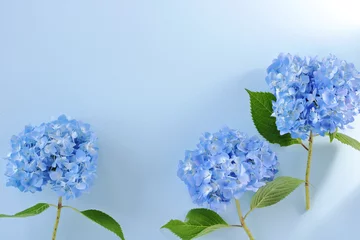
<point x="151" y="76"/>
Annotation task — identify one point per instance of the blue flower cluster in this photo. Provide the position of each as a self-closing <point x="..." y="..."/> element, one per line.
<point x="62" y="153"/>
<point x="313" y="95"/>
<point x="224" y="166"/>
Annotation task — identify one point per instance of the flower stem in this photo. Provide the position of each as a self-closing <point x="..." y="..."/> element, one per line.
<point x="306" y="148"/>
<point x="307" y="175"/>
<point x="242" y="220"/>
<point x="59" y="206"/>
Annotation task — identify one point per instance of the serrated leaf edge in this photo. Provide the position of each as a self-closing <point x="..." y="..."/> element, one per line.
<point x="205" y="229"/>
<point x="215" y="223"/>
<point x="252" y="207"/>
<point x="281" y="143"/>
<point x="340" y="137"/>
<point x="121" y="231"/>
<point x="21" y="214"/>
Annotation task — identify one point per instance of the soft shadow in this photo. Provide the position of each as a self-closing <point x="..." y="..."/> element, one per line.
<point x="342" y="222"/>
<point x="293" y="163"/>
<point x="324" y="155"/>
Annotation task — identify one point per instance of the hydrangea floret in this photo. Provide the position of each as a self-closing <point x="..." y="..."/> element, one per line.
<point x="312" y="95"/>
<point x="225" y="165"/>
<point x="62" y="153"/>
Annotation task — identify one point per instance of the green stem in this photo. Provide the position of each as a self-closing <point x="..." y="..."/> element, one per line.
<point x="242" y="220"/>
<point x="76" y="210"/>
<point x="59" y="206"/>
<point x="307" y="175"/>
<point x="247" y="214"/>
<point x="306" y="148"/>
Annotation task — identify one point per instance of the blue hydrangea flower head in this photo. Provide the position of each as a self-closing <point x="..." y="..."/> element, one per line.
<point x="224" y="166"/>
<point x="62" y="153"/>
<point x="313" y="95"/>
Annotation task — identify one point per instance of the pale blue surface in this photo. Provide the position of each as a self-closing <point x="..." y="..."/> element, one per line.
<point x="151" y="76"/>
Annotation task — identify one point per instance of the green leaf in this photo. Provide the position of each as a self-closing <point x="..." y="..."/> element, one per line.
<point x="204" y="216"/>
<point x="273" y="192"/>
<point x="198" y="222"/>
<point x="348" y="140"/>
<point x="102" y="219"/>
<point x="30" y="212"/>
<point x="333" y="135"/>
<point x="261" y="110"/>
<point x="105" y="221"/>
